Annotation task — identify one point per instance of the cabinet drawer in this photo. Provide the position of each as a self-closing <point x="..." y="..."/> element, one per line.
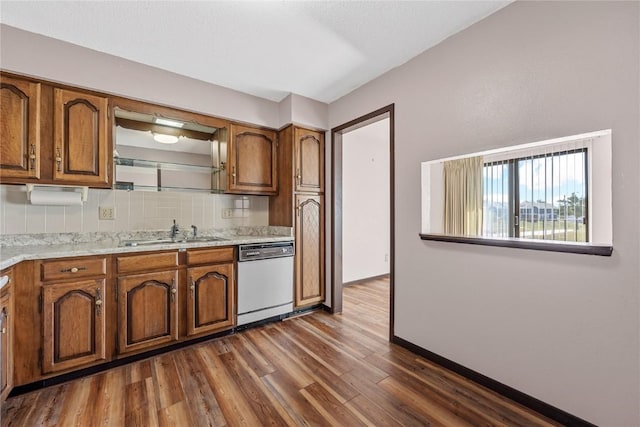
<point x="73" y="268"/>
<point x="144" y="262"/>
<point x="210" y="256"/>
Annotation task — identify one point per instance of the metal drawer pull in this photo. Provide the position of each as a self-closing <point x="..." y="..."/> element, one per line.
<point x="173" y="290"/>
<point x="58" y="159"/>
<point x="192" y="287"/>
<point x="73" y="269"/>
<point x="32" y="157"/>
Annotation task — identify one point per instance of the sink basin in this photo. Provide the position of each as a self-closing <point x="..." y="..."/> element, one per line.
<point x="165" y="241"/>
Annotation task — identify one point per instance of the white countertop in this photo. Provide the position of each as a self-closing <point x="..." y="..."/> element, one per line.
<point x="11" y="255"/>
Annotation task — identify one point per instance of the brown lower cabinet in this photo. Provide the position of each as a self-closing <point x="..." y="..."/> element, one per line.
<point x="148" y="300"/>
<point x="6" y="337"/>
<point x="211" y="290"/>
<point x="85" y="311"/>
<point x="73" y="317"/>
<point x="147" y="310"/>
<point x="210" y="298"/>
<point x="73" y="308"/>
<point x="309" y="257"/>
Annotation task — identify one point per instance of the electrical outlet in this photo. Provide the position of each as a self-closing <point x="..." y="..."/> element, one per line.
<point x="227" y="213"/>
<point x="106" y="212"/>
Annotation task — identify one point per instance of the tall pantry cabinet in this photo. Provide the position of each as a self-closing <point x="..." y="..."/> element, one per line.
<point x="300" y="204"/>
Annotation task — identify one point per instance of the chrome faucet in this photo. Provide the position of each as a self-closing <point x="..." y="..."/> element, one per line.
<point x="174" y="229"/>
<point x="195" y="231"/>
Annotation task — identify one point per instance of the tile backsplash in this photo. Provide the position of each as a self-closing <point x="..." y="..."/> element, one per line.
<point x="134" y="210"/>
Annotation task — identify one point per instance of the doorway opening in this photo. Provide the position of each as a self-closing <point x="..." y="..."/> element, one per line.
<point x="343" y="183"/>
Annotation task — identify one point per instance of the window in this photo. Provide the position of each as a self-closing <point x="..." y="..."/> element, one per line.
<point x="537" y="197"/>
<point x="548" y="195"/>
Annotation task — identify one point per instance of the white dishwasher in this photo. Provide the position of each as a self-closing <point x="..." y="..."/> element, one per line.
<point x="265" y="281"/>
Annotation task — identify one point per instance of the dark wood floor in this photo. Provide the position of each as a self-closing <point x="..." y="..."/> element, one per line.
<point x="317" y="369"/>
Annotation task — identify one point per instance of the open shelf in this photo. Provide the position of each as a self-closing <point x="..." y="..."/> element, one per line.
<point x="121" y="161"/>
<point x="119" y="185"/>
<point x="150" y="175"/>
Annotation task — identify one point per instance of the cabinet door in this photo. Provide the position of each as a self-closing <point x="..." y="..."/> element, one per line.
<point x="309" y="258"/>
<point x="6" y="362"/>
<point x="80" y="138"/>
<point x="252" y="161"/>
<point x="74" y="324"/>
<point x="19" y="129"/>
<point x="309" y="161"/>
<point x="147" y="310"/>
<point x="211" y="295"/>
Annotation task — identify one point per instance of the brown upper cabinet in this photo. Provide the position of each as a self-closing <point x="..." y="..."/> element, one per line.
<point x="309" y="160"/>
<point x="54" y="134"/>
<point x="300" y="168"/>
<point x="19" y="129"/>
<point x="51" y="135"/>
<point x="252" y="161"/>
<point x="80" y="125"/>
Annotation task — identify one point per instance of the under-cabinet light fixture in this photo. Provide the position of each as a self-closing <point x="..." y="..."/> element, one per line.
<point x="165" y="139"/>
<point x="167" y="122"/>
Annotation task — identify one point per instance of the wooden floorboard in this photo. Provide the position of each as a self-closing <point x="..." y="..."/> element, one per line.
<point x="317" y="369"/>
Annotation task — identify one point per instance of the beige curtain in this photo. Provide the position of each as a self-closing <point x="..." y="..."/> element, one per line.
<point x="463" y="196"/>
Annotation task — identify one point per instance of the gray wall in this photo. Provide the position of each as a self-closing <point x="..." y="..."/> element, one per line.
<point x="38" y="56"/>
<point x="563" y="328"/>
<point x="32" y="54"/>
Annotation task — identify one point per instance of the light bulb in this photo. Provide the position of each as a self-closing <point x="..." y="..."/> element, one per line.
<point x="165" y="139"/>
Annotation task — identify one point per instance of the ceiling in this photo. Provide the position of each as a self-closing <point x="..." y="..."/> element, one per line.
<point x="321" y="50"/>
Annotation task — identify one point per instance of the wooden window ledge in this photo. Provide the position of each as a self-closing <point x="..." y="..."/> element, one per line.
<point x="539" y="245"/>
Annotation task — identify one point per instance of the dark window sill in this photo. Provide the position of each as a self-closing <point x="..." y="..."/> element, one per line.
<point x="538" y="245"/>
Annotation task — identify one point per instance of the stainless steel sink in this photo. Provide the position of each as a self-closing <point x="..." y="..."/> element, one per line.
<point x="165" y="241"/>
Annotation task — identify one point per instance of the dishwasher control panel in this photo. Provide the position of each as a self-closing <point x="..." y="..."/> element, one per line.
<point x="265" y="251"/>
